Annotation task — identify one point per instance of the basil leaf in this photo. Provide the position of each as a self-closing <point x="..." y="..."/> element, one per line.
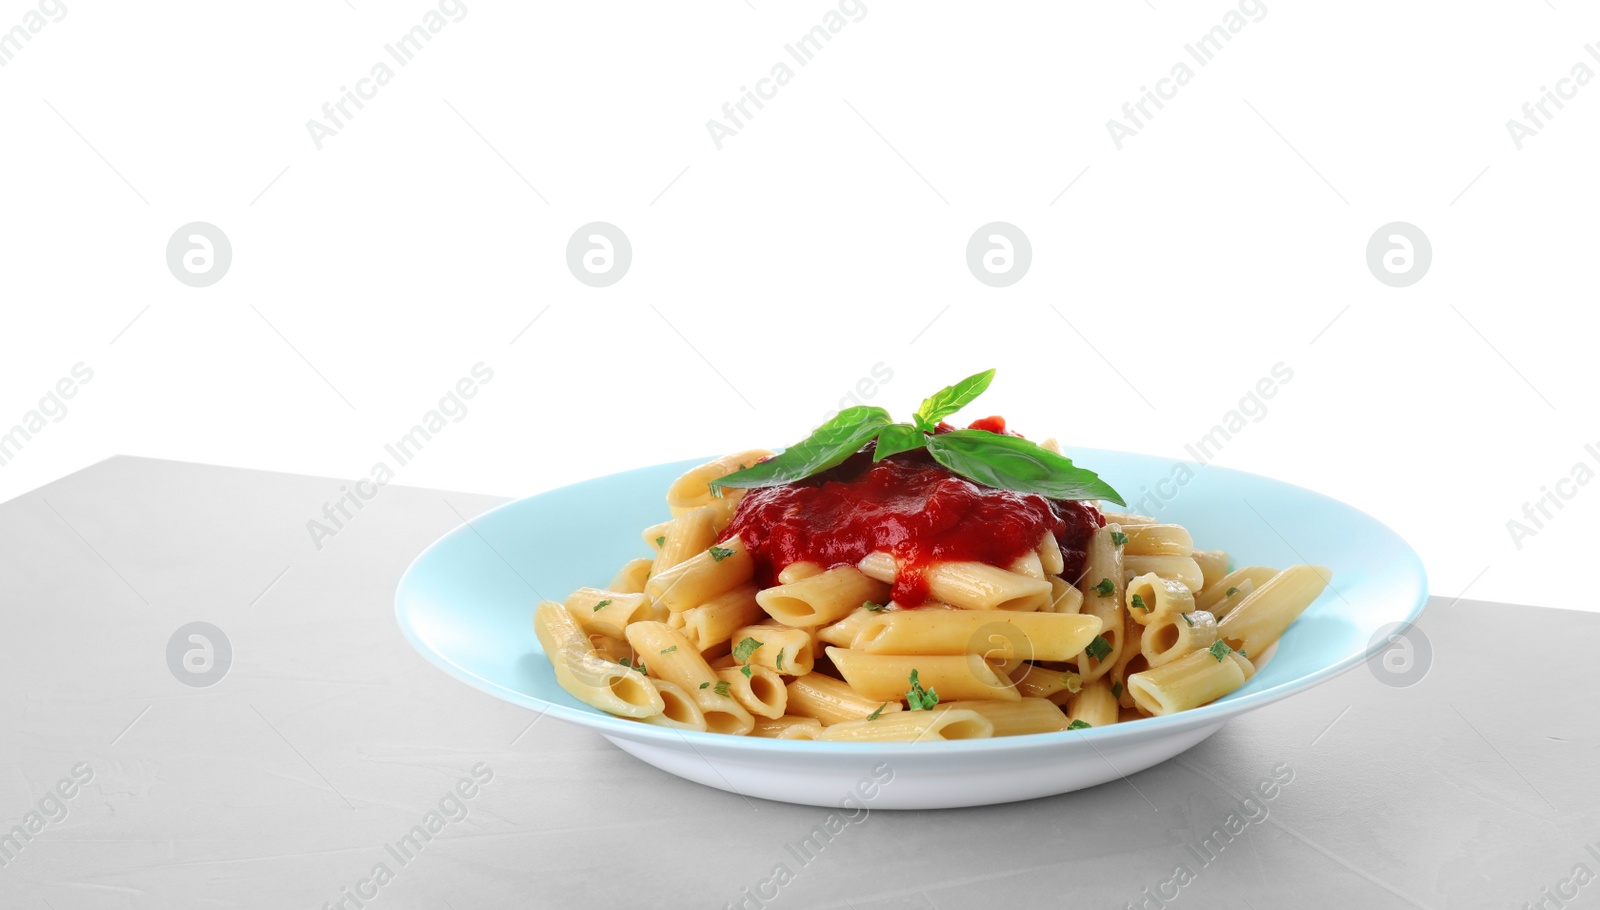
<point x="1014" y="463"/>
<point x="826" y="447"/>
<point x="896" y="438"/>
<point x="950" y="399"/>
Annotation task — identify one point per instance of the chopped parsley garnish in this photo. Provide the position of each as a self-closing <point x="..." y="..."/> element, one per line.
<point x="1118" y="538"/>
<point x="874" y="608"/>
<point x="1116" y="690"/>
<point x="1105" y="588"/>
<point x="1139" y="603"/>
<point x="718" y="554"/>
<point x="878" y="713"/>
<point x="1187" y="619"/>
<point x="721" y="688"/>
<point x="661" y="541"/>
<point x="1241" y="653"/>
<point x="742" y="652"/>
<point x="918" y="698"/>
<point x="779" y="661"/>
<point x="1219" y="649"/>
<point x="705" y="685"/>
<point x="1099" y="648"/>
<point x="603" y="603"/>
<point x="1079" y="725"/>
<point x="1232" y="591"/>
<point x="669" y="650"/>
<point x="632" y="665"/>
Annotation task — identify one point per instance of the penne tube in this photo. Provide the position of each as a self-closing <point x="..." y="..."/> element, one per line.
<point x="1015" y="718"/>
<point x="912" y="726"/>
<point x="795" y="571"/>
<point x="692" y="489"/>
<point x="789" y="726"/>
<point x="1050" y="554"/>
<point x="686" y="536"/>
<point x="1102" y="588"/>
<point x="1196" y="679"/>
<point x="1213" y="565"/>
<point x="1034" y="681"/>
<point x="670" y="656"/>
<point x="1029" y="564"/>
<point x="598" y="610"/>
<point x="790" y="652"/>
<point x="713" y="622"/>
<point x="832" y="701"/>
<point x="1215" y="597"/>
<point x="879" y="565"/>
<point x="1173" y="635"/>
<point x="1157" y="540"/>
<point x="993" y="634"/>
<point x="980" y="586"/>
<point x="587" y="676"/>
<point x="613" y="649"/>
<point x="715" y="570"/>
<point x="1176" y="568"/>
<point x="1157" y="597"/>
<point x="1064" y="598"/>
<point x="632" y="576"/>
<point x="954" y="677"/>
<point x="822" y="599"/>
<point x="680" y="711"/>
<point x="1257" y="621"/>
<point x="761" y="693"/>
<point x="1127" y="518"/>
<point x="1131" y="660"/>
<point x="843" y="633"/>
<point x="1095" y="705"/>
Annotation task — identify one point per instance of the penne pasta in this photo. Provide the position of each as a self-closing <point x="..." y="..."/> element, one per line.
<point x="1173" y="635"/>
<point x="670" y="656"/>
<point x="991" y="634"/>
<point x="586" y="675"/>
<point x="713" y="571"/>
<point x="1257" y="621"/>
<point x="978" y="586"/>
<point x="833" y="701"/>
<point x="762" y="693"/>
<point x="1176" y="568"/>
<point x="1151" y="597"/>
<point x="954" y="677"/>
<point x="1101" y="587"/>
<point x="1094" y="705"/>
<point x="821" y="599"/>
<point x="1195" y="679"/>
<point x="1213" y="565"/>
<point x="789" y="726"/>
<point x="912" y="726"/>
<point x="1157" y="540"/>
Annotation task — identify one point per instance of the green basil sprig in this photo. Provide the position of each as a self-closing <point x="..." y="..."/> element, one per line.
<point x="992" y="459"/>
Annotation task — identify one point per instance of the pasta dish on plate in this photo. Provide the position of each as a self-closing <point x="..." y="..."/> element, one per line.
<point x="900" y="582"/>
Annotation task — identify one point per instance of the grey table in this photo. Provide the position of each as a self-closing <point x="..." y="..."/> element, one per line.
<point x="286" y="783"/>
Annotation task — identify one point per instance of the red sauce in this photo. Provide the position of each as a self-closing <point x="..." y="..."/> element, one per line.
<point x="910" y="506"/>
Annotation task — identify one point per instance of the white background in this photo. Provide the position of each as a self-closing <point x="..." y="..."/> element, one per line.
<point x="828" y="235"/>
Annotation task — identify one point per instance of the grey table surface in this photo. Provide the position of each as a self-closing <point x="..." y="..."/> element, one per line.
<point x="328" y="738"/>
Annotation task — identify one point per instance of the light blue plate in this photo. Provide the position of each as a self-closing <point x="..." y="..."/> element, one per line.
<point x="466" y="604"/>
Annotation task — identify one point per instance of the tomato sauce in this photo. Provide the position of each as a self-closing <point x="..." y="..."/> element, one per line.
<point x="910" y="506"/>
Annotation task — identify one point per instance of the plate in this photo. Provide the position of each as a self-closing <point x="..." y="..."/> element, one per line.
<point x="466" y="604"/>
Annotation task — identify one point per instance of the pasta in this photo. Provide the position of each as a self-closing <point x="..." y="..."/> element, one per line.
<point x="790" y="610"/>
